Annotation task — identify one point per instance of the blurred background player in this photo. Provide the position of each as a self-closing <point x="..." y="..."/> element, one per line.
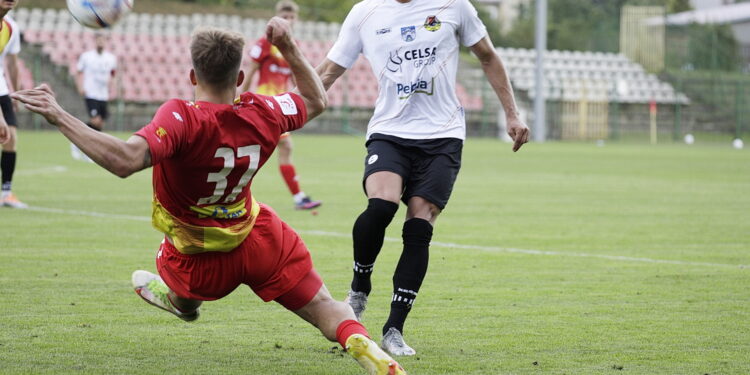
<point x="205" y="154"/>
<point x="415" y="137"/>
<point x="273" y="77"/>
<point x="96" y="68"/>
<point x="10" y="46"/>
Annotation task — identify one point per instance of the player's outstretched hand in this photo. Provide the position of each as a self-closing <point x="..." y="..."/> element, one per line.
<point x="41" y="100"/>
<point x="279" y="33"/>
<point x="4" y="133"/>
<point x="519" y="132"/>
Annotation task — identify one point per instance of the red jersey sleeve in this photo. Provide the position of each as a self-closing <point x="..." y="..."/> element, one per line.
<point x="167" y="132"/>
<point x="260" y="50"/>
<point x="288" y="109"/>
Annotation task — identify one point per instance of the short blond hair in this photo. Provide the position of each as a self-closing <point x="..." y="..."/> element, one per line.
<point x="216" y="55"/>
<point x="287" y="6"/>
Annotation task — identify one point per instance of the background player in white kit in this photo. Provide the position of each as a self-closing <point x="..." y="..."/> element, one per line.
<point x="416" y="134"/>
<point x="10" y="46"/>
<point x="96" y="68"/>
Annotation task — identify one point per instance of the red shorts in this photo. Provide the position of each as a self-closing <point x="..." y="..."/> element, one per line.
<point x="273" y="261"/>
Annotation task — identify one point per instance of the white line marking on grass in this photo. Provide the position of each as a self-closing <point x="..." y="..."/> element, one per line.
<point x="43" y="170"/>
<point x="88" y="213"/>
<point x="495" y="249"/>
<point x="492" y="249"/>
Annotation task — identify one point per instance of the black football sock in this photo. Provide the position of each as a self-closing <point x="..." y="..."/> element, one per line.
<point x="368" y="233"/>
<point x="8" y="166"/>
<point x="410" y="272"/>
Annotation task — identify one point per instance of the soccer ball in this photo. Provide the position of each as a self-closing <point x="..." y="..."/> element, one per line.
<point x="98" y="14"/>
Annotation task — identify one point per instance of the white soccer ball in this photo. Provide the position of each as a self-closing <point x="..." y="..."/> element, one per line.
<point x="738" y="144"/>
<point x="689" y="139"/>
<point x="98" y="14"/>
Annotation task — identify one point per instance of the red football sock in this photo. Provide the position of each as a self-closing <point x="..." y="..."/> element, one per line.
<point x="290" y="177"/>
<point x="347" y="328"/>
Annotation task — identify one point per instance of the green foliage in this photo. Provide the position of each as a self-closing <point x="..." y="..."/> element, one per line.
<point x="677" y="6"/>
<point x="578" y="25"/>
<point x="493" y="27"/>
<point x="703" y="47"/>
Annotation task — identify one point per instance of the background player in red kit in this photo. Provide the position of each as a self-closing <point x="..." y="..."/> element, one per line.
<point x="273" y="77"/>
<point x="205" y="154"/>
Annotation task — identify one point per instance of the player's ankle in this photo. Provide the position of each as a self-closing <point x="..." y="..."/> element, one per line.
<point x="348" y="328"/>
<point x="299" y="197"/>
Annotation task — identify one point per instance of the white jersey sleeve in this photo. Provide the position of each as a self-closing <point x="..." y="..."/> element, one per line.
<point x="82" y="62"/>
<point x="14" y="44"/>
<point x="472" y="29"/>
<point x="348" y="46"/>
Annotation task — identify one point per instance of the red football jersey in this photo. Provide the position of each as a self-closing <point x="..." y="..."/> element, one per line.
<point x="205" y="156"/>
<point x="274" y="71"/>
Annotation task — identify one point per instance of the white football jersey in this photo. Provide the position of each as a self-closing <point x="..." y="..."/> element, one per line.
<point x="97" y="71"/>
<point x="10" y="43"/>
<point x="413" y="50"/>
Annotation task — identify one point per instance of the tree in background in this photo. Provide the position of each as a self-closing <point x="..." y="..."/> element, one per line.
<point x="677" y="6"/>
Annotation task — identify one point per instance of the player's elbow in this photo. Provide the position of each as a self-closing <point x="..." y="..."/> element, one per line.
<point x="487" y="58"/>
<point x="123" y="169"/>
<point x="317" y="105"/>
<point x="122" y="172"/>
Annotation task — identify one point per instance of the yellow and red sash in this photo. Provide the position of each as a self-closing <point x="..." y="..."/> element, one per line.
<point x="195" y="239"/>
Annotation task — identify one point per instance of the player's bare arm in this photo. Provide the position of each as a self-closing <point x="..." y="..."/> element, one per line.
<point x="12" y="65"/>
<point x="309" y="86"/>
<point x="498" y="77"/>
<point x="254" y="66"/>
<point x="121" y="158"/>
<point x="329" y="72"/>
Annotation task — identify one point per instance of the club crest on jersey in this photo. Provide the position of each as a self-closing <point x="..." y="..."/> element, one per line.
<point x="432" y="23"/>
<point x="408" y="33"/>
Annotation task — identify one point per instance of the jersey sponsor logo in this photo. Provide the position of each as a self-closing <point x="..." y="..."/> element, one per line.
<point x="405" y="91"/>
<point x="177" y="116"/>
<point x="372" y="159"/>
<point x="417" y="57"/>
<point x="394" y="62"/>
<point x="409" y="33"/>
<point x="432" y="23"/>
<point x="382" y="31"/>
<point x="287" y="104"/>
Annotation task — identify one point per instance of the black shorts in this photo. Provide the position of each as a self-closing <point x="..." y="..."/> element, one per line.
<point x="428" y="166"/>
<point x="8" y="113"/>
<point x="97" y="108"/>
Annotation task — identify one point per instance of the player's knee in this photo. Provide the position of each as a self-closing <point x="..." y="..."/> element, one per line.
<point x="96" y="122"/>
<point x="11" y="144"/>
<point x="417" y="233"/>
<point x="420" y="208"/>
<point x="381" y="210"/>
<point x="285" y="144"/>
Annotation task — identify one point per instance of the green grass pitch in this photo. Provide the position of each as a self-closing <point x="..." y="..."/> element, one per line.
<point x="561" y="259"/>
